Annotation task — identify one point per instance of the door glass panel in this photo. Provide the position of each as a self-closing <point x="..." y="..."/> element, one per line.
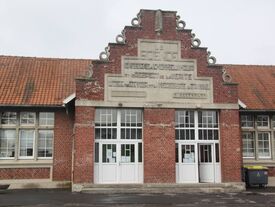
<point x="127" y="153"/>
<point x="217" y="152"/>
<point x="96" y="152"/>
<point x="177" y="152"/>
<point x="140" y="152"/>
<point x="188" y="153"/>
<point x="205" y="153"/>
<point x="108" y="153"/>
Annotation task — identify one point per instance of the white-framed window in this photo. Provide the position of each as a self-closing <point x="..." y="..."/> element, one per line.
<point x="262" y="121"/>
<point x="248" y="144"/>
<point x="22" y="137"/>
<point x="106" y="124"/>
<point x="123" y="127"/>
<point x="208" y="125"/>
<point x="45" y="143"/>
<point x="46" y="118"/>
<point x="187" y="153"/>
<point x="264" y="145"/>
<point x="125" y="123"/>
<point x="204" y="123"/>
<point x="7" y="143"/>
<point x="247" y="121"/>
<point x="185" y="125"/>
<point x="27" y="118"/>
<point x="26" y="143"/>
<point x="273" y="121"/>
<point x="8" y="118"/>
<point x="131" y="124"/>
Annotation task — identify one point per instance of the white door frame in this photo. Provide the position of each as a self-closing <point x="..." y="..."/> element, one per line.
<point x="119" y="164"/>
<point x="119" y="170"/>
<point x="183" y="167"/>
<point x="207" y="172"/>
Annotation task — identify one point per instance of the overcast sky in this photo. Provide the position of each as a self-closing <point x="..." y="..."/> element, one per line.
<point x="235" y="31"/>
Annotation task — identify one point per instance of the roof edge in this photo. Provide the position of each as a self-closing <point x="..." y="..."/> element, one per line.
<point x="242" y="104"/>
<point x="31" y="105"/>
<point x="68" y="99"/>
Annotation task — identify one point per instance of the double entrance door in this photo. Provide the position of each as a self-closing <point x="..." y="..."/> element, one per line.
<point x="198" y="162"/>
<point x="118" y="162"/>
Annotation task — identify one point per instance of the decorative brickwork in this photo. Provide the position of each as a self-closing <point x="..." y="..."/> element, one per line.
<point x="24" y="173"/>
<point x="94" y="89"/>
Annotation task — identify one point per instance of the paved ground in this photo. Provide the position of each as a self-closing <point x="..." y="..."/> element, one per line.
<point x="47" y="198"/>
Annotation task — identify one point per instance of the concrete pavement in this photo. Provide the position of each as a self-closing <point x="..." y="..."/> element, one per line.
<point x="45" y="198"/>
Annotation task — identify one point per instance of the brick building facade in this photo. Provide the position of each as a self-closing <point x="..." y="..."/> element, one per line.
<point x="155" y="108"/>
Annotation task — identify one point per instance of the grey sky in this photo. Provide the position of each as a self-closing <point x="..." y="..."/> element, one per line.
<point x="235" y="31"/>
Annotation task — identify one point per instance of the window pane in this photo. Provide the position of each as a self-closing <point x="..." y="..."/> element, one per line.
<point x="127" y="153"/>
<point x="184" y="119"/>
<point x="248" y="144"/>
<point x="46" y="118"/>
<point x="8" y="118"/>
<point x="273" y="121"/>
<point x="185" y="124"/>
<point x="96" y="152"/>
<point x="208" y="119"/>
<point x="45" y="143"/>
<point x="177" y="153"/>
<point x="262" y="120"/>
<point x="217" y="152"/>
<point x="7" y="143"/>
<point x="106" y="117"/>
<point x="264" y="145"/>
<point x="247" y="121"/>
<point x="131" y="124"/>
<point x="26" y="143"/>
<point x="108" y="153"/>
<point x="27" y="118"/>
<point x="140" y="152"/>
<point x="205" y="153"/>
<point x="187" y="153"/>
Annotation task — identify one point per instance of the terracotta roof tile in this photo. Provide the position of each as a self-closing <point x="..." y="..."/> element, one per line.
<point x="256" y="85"/>
<point x="48" y="81"/>
<point x="38" y="81"/>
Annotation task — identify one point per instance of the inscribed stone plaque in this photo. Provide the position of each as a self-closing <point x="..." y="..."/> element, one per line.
<point x="158" y="75"/>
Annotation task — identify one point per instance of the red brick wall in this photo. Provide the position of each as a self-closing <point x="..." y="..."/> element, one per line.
<point x="24" y="173"/>
<point x="159" y="146"/>
<point x="63" y="139"/>
<point x="84" y="144"/>
<point x="230" y="143"/>
<point x="271" y="171"/>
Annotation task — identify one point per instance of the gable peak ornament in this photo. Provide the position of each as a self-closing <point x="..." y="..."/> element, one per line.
<point x="158" y="21"/>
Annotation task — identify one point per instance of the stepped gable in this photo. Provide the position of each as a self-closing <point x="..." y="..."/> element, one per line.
<point x="154" y="26"/>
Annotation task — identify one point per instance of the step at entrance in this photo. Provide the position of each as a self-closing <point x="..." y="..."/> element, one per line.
<point x="162" y="188"/>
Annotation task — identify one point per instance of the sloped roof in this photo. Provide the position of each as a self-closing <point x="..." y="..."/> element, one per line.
<point x="38" y="81"/>
<point x="256" y="85"/>
<point x="48" y="81"/>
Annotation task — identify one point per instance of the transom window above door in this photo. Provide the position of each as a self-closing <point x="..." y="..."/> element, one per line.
<point x="123" y="124"/>
<point x="196" y="125"/>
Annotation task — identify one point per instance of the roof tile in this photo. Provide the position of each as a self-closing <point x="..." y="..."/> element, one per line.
<point x="38" y="81"/>
<point x="256" y="85"/>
